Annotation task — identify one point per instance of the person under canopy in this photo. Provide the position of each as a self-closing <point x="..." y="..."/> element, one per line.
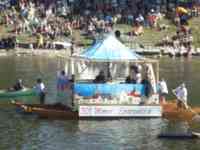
<point x="130" y="79"/>
<point x="100" y="78"/>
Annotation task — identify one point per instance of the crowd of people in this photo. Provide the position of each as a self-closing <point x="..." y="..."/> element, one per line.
<point x="53" y="20"/>
<point x="42" y="23"/>
<point x="181" y="42"/>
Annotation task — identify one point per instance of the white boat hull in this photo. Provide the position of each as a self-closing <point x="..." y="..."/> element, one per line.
<point x="119" y="111"/>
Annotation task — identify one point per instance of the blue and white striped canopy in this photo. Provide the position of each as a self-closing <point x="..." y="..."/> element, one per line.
<point x="110" y="49"/>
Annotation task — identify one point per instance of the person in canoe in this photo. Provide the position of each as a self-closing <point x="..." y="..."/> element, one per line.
<point x="40" y="90"/>
<point x="17" y="86"/>
<point x="181" y="94"/>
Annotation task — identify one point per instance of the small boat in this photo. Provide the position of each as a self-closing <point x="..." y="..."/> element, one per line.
<point x="11" y="94"/>
<point x="179" y="135"/>
<point x="171" y="112"/>
<point x="48" y="111"/>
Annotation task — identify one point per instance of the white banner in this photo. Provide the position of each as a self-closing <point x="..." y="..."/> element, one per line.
<point x="120" y="111"/>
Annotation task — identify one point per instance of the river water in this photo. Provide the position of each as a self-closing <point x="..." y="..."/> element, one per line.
<point x="19" y="132"/>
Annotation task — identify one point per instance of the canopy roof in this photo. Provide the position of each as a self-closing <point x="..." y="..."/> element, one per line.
<point x="110" y="49"/>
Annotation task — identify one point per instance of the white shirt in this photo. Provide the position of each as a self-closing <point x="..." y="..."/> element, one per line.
<point x="163" y="87"/>
<point x="40" y="88"/>
<point x="181" y="94"/>
<point x="138" y="78"/>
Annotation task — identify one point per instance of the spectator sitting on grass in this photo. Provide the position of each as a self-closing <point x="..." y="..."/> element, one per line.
<point x="152" y="18"/>
<point x="140" y="19"/>
<point x="138" y="29"/>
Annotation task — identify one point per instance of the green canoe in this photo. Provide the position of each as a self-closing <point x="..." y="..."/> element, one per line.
<point x="21" y="93"/>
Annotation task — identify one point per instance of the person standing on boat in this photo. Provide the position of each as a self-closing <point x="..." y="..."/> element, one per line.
<point x="147" y="86"/>
<point x="130" y="78"/>
<point x="40" y="90"/>
<point x="137" y="73"/>
<point x="163" y="91"/>
<point x="62" y="81"/>
<point x="181" y="94"/>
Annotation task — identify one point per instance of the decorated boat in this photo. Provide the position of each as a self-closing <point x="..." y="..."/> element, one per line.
<point x="128" y="88"/>
<point x="20" y="93"/>
<point x="119" y="94"/>
<point x="48" y="111"/>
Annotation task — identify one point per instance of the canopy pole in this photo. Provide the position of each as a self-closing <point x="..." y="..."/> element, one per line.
<point x="73" y="80"/>
<point x="157" y="72"/>
<point x="108" y="71"/>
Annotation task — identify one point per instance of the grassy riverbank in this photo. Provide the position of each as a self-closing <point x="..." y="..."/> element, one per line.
<point x="150" y="37"/>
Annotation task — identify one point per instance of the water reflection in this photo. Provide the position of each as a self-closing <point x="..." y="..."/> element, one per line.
<point x="127" y="134"/>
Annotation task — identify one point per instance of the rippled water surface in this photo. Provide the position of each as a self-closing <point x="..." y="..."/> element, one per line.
<point x="19" y="132"/>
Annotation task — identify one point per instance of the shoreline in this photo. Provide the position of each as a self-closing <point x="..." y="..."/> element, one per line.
<point x="65" y="53"/>
<point x="35" y="52"/>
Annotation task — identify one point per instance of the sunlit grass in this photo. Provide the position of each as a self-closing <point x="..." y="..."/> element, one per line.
<point x="150" y="37"/>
